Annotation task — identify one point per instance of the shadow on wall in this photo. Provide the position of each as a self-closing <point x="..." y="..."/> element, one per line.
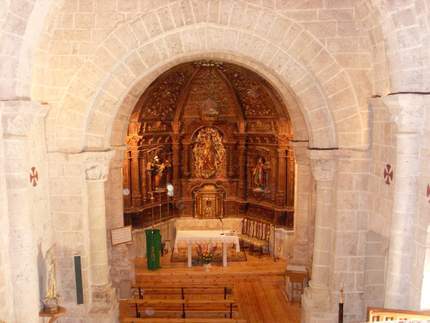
<point x="41" y="269"/>
<point x="425" y="289"/>
<point x="375" y="267"/>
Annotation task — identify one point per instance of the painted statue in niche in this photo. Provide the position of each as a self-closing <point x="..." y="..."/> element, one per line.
<point x="259" y="175"/>
<point x="159" y="169"/>
<point x="208" y="153"/>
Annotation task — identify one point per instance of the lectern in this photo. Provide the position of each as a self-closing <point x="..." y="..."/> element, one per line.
<point x="153" y="248"/>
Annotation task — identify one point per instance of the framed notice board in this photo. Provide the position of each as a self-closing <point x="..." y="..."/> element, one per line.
<point x="121" y="235"/>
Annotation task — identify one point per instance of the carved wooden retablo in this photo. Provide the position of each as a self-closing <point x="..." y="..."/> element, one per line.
<point x="204" y="126"/>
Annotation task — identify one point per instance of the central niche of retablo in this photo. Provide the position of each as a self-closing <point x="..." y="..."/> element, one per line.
<point x="220" y="134"/>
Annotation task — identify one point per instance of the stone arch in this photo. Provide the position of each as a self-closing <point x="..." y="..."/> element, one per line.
<point x="133" y="50"/>
<point x="21" y="25"/>
<point x="399" y="34"/>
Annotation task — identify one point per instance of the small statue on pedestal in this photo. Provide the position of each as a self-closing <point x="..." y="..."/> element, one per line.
<point x="50" y="302"/>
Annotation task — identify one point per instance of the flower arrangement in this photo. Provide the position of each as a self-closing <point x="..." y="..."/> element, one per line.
<point x="206" y="253"/>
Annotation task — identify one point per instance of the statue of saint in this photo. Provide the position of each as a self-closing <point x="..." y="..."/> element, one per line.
<point x="259" y="175"/>
<point x="159" y="169"/>
<point x="208" y="153"/>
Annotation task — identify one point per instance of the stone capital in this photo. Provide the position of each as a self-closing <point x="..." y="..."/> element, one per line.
<point x="95" y="164"/>
<point x="323" y="164"/>
<point x="407" y="111"/>
<point x="17" y="116"/>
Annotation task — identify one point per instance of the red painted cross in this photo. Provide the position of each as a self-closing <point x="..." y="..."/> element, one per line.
<point x="388" y="174"/>
<point x="34" y="176"/>
<point x="428" y="192"/>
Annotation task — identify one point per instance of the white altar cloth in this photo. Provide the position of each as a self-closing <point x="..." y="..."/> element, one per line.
<point x="186" y="238"/>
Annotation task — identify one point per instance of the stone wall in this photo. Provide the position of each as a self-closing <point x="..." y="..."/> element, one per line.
<point x="423" y="227"/>
<point x="6" y="302"/>
<point x="380" y="202"/>
<point x="421" y="277"/>
<point x="352" y="213"/>
<point x="68" y="201"/>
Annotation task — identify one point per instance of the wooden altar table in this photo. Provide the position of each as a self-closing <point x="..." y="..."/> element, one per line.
<point x="189" y="237"/>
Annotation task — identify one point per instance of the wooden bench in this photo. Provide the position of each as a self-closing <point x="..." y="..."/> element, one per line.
<point x="177" y="320"/>
<point x="182" y="291"/>
<point x="183" y="307"/>
<point x="256" y="233"/>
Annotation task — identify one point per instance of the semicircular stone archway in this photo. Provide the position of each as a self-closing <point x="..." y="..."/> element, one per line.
<point x="276" y="47"/>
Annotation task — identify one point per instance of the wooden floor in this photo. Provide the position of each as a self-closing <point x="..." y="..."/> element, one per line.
<point x="258" y="285"/>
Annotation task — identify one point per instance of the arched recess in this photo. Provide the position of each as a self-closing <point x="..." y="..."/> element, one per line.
<point x="281" y="50"/>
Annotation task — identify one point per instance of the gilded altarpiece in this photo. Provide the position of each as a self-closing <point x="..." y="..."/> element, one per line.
<point x="220" y="135"/>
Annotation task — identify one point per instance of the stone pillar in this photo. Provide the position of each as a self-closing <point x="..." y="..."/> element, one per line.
<point x="317" y="297"/>
<point x="230" y="162"/>
<point x="22" y="284"/>
<point x="96" y="171"/>
<point x="407" y="111"/>
<point x="115" y="207"/>
<point x="304" y="221"/>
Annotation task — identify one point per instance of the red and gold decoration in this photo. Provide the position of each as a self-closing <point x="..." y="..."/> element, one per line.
<point x="34" y="176"/>
<point x="220" y="135"/>
<point x="388" y="174"/>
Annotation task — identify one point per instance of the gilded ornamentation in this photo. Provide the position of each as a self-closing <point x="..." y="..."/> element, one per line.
<point x="209" y="202"/>
<point x="251" y="92"/>
<point x="208" y="152"/>
<point x="161" y="103"/>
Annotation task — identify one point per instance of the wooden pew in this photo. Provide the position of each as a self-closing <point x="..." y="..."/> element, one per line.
<point x="183" y="291"/>
<point x="176" y="320"/>
<point x="256" y="232"/>
<point x="184" y="307"/>
<point x="377" y="314"/>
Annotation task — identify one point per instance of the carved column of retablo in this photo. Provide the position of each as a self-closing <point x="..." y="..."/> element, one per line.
<point x="242" y="167"/>
<point x="282" y="176"/>
<point x="126" y="180"/>
<point x="136" y="196"/>
<point x="176" y="162"/>
<point x="186" y="155"/>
